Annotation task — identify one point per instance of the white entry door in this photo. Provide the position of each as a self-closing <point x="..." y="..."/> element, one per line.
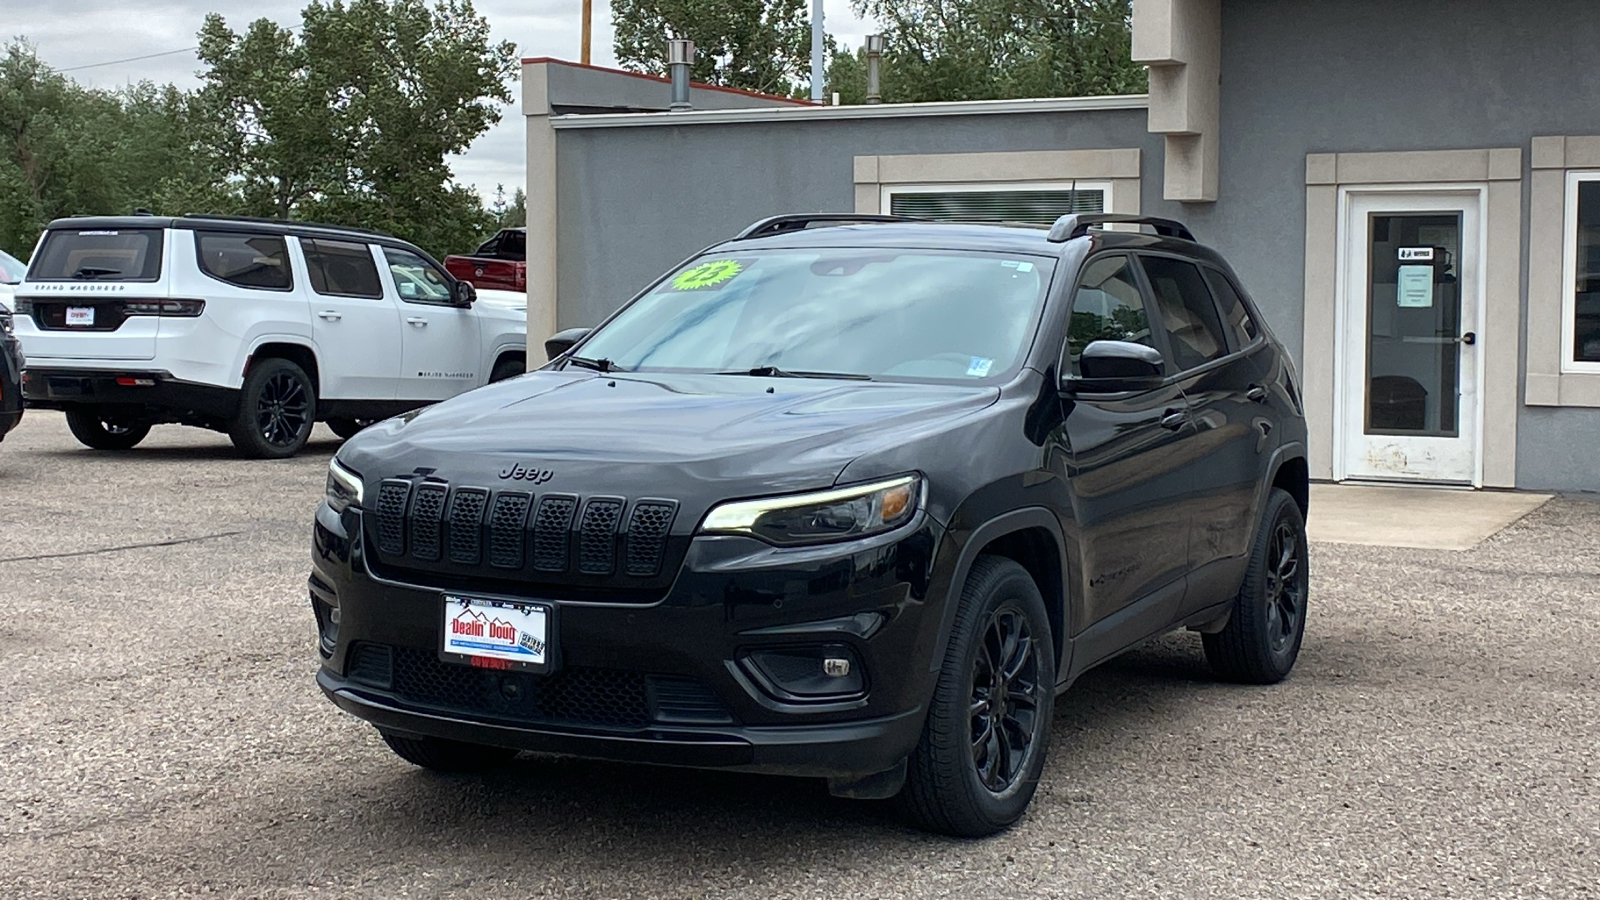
<point x="1411" y="297"/>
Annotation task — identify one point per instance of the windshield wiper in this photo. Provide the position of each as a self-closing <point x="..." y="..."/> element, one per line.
<point x="94" y="272"/>
<point x="599" y="365"/>
<point x="775" y="372"/>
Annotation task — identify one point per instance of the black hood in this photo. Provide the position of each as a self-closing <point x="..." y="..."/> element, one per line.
<point x="693" y="438"/>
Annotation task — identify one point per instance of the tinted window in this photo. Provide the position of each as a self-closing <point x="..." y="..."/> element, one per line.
<point x="416" y="279"/>
<point x="125" y="254"/>
<point x="247" y="260"/>
<point x="1187" y="313"/>
<point x="1234" y="313"/>
<point x="341" y="268"/>
<point x="513" y="245"/>
<point x="1106" y="307"/>
<point x="880" y="312"/>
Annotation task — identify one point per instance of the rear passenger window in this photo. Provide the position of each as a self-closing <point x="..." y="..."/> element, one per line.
<point x="247" y="260"/>
<point x="1234" y="313"/>
<point x="1106" y="307"/>
<point x="341" y="268"/>
<point x="1184" y="304"/>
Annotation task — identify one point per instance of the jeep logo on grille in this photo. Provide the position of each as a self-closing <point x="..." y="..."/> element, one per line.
<point x="520" y="472"/>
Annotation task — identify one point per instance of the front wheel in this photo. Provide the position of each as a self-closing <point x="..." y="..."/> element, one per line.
<point x="102" y="431"/>
<point x="277" y="407"/>
<point x="988" y="728"/>
<point x="1261" y="641"/>
<point x="440" y="755"/>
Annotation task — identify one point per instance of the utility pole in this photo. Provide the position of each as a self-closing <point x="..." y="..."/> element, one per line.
<point x="816" y="51"/>
<point x="588" y="14"/>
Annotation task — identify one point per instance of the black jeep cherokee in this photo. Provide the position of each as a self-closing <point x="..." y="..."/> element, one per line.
<point x="848" y="497"/>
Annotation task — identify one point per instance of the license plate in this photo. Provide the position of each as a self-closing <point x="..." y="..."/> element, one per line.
<point x="80" y="315"/>
<point x="497" y="634"/>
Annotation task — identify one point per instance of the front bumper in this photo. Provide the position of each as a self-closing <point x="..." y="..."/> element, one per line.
<point x="674" y="682"/>
<point x="153" y="395"/>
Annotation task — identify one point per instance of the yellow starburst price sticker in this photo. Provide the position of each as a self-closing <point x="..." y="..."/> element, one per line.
<point x="706" y="275"/>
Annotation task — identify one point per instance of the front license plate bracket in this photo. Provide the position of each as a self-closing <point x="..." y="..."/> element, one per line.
<point x="498" y="633"/>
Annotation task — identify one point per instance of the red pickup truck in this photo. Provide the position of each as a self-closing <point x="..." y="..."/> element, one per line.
<point x="500" y="263"/>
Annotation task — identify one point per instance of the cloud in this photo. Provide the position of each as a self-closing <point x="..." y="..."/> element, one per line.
<point x="81" y="37"/>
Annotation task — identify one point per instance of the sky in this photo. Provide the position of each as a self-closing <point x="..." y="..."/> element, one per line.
<point x="77" y="38"/>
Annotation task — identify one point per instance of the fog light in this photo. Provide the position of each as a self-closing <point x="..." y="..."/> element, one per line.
<point x="822" y="672"/>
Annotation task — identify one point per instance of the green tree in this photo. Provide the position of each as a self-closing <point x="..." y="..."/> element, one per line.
<point x="994" y="49"/>
<point x="757" y="45"/>
<point x="353" y="119"/>
<point x="511" y="213"/>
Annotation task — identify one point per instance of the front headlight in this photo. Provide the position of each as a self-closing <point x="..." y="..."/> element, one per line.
<point x="344" y="487"/>
<point x="839" y="514"/>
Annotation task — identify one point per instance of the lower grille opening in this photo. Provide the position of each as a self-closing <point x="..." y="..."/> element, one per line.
<point x="577" y="696"/>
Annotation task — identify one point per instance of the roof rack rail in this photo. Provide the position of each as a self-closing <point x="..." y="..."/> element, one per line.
<point x="1077" y="225"/>
<point x="268" y="220"/>
<point x="801" y="221"/>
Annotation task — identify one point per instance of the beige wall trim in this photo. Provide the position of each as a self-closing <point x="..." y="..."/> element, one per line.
<point x="1547" y="385"/>
<point x="1119" y="166"/>
<point x="1181" y="42"/>
<point x="1501" y="170"/>
<point x="541" y="193"/>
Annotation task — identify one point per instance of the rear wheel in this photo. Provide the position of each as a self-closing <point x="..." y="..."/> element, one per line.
<point x="988" y="727"/>
<point x="106" y="431"/>
<point x="440" y="755"/>
<point x="277" y="408"/>
<point x="1262" y="639"/>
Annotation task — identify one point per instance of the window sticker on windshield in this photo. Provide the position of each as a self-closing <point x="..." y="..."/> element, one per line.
<point x="711" y="274"/>
<point x="1018" y="265"/>
<point x="979" y="366"/>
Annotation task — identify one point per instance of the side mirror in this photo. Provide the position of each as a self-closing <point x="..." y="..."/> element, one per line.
<point x="464" y="294"/>
<point x="562" y="341"/>
<point x="1116" y="367"/>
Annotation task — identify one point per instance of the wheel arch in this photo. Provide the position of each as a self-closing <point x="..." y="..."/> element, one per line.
<point x="299" y="354"/>
<point x="1032" y="538"/>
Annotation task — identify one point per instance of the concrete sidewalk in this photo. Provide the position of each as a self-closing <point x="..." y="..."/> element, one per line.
<point x="1418" y="517"/>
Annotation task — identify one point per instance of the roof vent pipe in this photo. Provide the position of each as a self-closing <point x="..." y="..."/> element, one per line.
<point x="680" y="54"/>
<point x="874" y="59"/>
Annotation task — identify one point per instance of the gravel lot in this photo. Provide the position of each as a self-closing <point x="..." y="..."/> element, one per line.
<point x="161" y="734"/>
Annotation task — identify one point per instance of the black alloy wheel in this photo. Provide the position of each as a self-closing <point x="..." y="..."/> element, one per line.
<point x="987" y="732"/>
<point x="1005" y="689"/>
<point x="1261" y="641"/>
<point x="106" y="431"/>
<point x="277" y="407"/>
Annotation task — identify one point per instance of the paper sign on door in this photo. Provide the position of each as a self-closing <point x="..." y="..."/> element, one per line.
<point x="1416" y="287"/>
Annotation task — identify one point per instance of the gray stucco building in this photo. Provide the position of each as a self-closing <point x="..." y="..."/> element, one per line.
<point x="1411" y="192"/>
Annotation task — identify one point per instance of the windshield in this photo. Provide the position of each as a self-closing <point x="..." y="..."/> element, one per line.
<point x="98" y="254"/>
<point x="11" y="268"/>
<point x="873" y="312"/>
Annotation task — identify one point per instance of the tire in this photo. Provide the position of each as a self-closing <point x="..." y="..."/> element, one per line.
<point x="440" y="755"/>
<point x="348" y="428"/>
<point x="277" y="407"/>
<point x="948" y="788"/>
<point x="509" y="367"/>
<point x="1262" y="639"/>
<point x="100" y="431"/>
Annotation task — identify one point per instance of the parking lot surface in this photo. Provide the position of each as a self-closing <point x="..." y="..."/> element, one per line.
<point x="161" y="735"/>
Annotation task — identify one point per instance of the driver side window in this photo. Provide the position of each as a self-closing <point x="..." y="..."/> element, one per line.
<point x="1107" y="306"/>
<point x="415" y="279"/>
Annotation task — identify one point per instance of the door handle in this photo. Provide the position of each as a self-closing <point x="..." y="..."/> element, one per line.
<point x="1173" y="419"/>
<point x="417" y="320"/>
<point x="1256" y="394"/>
<point x="330" y="315"/>
<point x="1469" y="338"/>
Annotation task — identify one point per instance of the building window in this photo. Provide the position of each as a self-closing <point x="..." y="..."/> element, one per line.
<point x="1581" y="301"/>
<point x="1039" y="203"/>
